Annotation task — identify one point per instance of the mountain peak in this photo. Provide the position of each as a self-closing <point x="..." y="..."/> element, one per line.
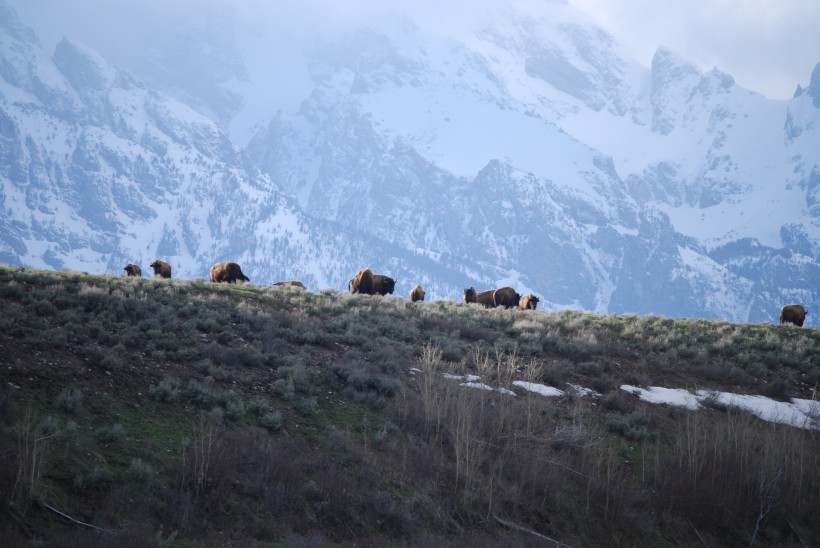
<point x="665" y="62"/>
<point x="814" y="86"/>
<point x="83" y="67"/>
<point x="11" y="25"/>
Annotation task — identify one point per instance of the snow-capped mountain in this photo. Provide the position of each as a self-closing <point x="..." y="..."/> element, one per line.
<point x="512" y="148"/>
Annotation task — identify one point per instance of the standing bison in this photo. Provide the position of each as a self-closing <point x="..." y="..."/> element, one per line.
<point x="528" y="302"/>
<point x="161" y="269"/>
<point x="503" y="296"/>
<point x="484" y="297"/>
<point x="227" y="271"/>
<point x="793" y="313"/>
<point x="506" y="297"/>
<point x="367" y="283"/>
<point x="133" y="270"/>
<point x="383" y="284"/>
<point x="416" y="294"/>
<point x="362" y="282"/>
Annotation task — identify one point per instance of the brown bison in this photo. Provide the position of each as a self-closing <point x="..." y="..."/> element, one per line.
<point x="416" y="294"/>
<point x="528" y="302"/>
<point x="383" y="284"/>
<point x="506" y="297"/>
<point x="793" y="313"/>
<point x="484" y="297"/>
<point x="227" y="271"/>
<point x="291" y="283"/>
<point x="362" y="282"/>
<point x="133" y="270"/>
<point x="161" y="269"/>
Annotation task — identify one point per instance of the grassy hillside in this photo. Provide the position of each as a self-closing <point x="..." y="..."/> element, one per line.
<point x="173" y="412"/>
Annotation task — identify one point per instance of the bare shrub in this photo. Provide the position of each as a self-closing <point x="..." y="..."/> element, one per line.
<point x="32" y="458"/>
<point x="731" y="468"/>
<point x="199" y="451"/>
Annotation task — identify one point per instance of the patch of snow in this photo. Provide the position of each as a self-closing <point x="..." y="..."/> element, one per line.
<point x="541" y="389"/>
<point x="671" y="396"/>
<point x="469" y="378"/>
<point x="799" y="413"/>
<point x="582" y="391"/>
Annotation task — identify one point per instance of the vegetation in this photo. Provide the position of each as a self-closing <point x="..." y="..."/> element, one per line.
<point x="136" y="411"/>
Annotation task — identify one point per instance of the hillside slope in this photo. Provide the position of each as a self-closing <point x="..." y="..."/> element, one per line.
<point x="170" y="411"/>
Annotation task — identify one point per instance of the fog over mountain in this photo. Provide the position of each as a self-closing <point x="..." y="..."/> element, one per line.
<point x="497" y="144"/>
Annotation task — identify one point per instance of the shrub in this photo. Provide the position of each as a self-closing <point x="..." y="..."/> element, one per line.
<point x="110" y="434"/>
<point x="48" y="426"/>
<point x="272" y="420"/>
<point x="167" y="390"/>
<point x="201" y="391"/>
<point x="43" y="308"/>
<point x="284" y="388"/>
<point x="113" y="362"/>
<point x="633" y="427"/>
<point x="777" y="389"/>
<point x="615" y="401"/>
<point x="233" y="404"/>
<point x="140" y="471"/>
<point x="70" y="399"/>
<point x="308" y="406"/>
<point x="258" y="406"/>
<point x="98" y="474"/>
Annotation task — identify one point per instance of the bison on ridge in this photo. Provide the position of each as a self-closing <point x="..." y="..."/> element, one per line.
<point x="528" y="302"/>
<point x="161" y="269"/>
<point x="133" y="270"/>
<point x="383" y="284"/>
<point x="484" y="297"/>
<point x="362" y="282"/>
<point x="793" y="313"/>
<point x="416" y="294"/>
<point x="506" y="297"/>
<point x="227" y="271"/>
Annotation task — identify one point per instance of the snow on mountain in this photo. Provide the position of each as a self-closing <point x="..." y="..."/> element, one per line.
<point x="111" y="172"/>
<point x="507" y="147"/>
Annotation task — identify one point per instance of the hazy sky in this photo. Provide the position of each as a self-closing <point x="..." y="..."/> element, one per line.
<point x="769" y="46"/>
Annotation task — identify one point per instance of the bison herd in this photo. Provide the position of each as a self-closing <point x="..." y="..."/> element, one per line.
<point x="367" y="283"/>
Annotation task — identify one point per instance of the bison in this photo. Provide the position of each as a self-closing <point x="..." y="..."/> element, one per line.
<point x="485" y="297"/>
<point x="383" y="284"/>
<point x="506" y="297"/>
<point x="291" y="283"/>
<point x="362" y="282"/>
<point x="528" y="302"/>
<point x="416" y="294"/>
<point x="161" y="269"/>
<point x="227" y="271"/>
<point x="367" y="283"/>
<point x="133" y="270"/>
<point x="793" y="313"/>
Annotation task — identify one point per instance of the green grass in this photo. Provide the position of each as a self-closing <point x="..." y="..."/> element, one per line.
<point x="178" y="412"/>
